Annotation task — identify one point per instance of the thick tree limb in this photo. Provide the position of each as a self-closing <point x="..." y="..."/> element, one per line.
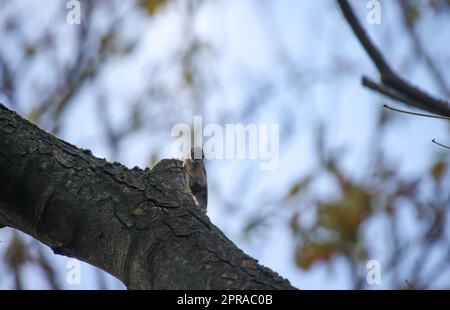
<point x="391" y="83"/>
<point x="141" y="226"/>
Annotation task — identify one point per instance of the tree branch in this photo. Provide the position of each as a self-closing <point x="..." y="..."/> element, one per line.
<point x="391" y="82"/>
<point x="440" y="144"/>
<point x="142" y="226"/>
<point x="414" y="113"/>
<point x="420" y="48"/>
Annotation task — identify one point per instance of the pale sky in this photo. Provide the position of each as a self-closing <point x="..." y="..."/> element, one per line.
<point x="315" y="35"/>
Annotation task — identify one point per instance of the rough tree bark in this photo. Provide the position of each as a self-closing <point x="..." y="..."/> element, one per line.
<point x="141" y="226"/>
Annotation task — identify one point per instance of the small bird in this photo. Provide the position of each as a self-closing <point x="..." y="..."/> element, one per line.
<point x="198" y="184"/>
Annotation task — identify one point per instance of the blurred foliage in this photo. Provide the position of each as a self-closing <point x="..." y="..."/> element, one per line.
<point x="324" y="226"/>
<point x="152" y="6"/>
<point x="21" y="253"/>
<point x="339" y="225"/>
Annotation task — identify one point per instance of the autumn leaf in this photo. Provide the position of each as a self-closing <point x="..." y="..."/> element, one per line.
<point x="152" y="6"/>
<point x="438" y="169"/>
<point x="313" y="252"/>
<point x="298" y="186"/>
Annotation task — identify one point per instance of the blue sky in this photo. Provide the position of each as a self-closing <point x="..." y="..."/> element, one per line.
<point x="315" y="37"/>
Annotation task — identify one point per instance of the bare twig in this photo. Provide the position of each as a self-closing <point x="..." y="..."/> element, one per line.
<point x="440" y="144"/>
<point x="390" y="92"/>
<point x="421" y="51"/>
<point x="414" y="113"/>
<point x="391" y="82"/>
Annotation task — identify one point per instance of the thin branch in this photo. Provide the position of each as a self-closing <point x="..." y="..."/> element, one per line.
<point x="370" y="48"/>
<point x="421" y="51"/>
<point x="440" y="144"/>
<point x="414" y="113"/>
<point x="411" y="95"/>
<point x="392" y="93"/>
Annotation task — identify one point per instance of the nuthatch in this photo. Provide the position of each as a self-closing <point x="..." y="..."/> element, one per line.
<point x="195" y="168"/>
